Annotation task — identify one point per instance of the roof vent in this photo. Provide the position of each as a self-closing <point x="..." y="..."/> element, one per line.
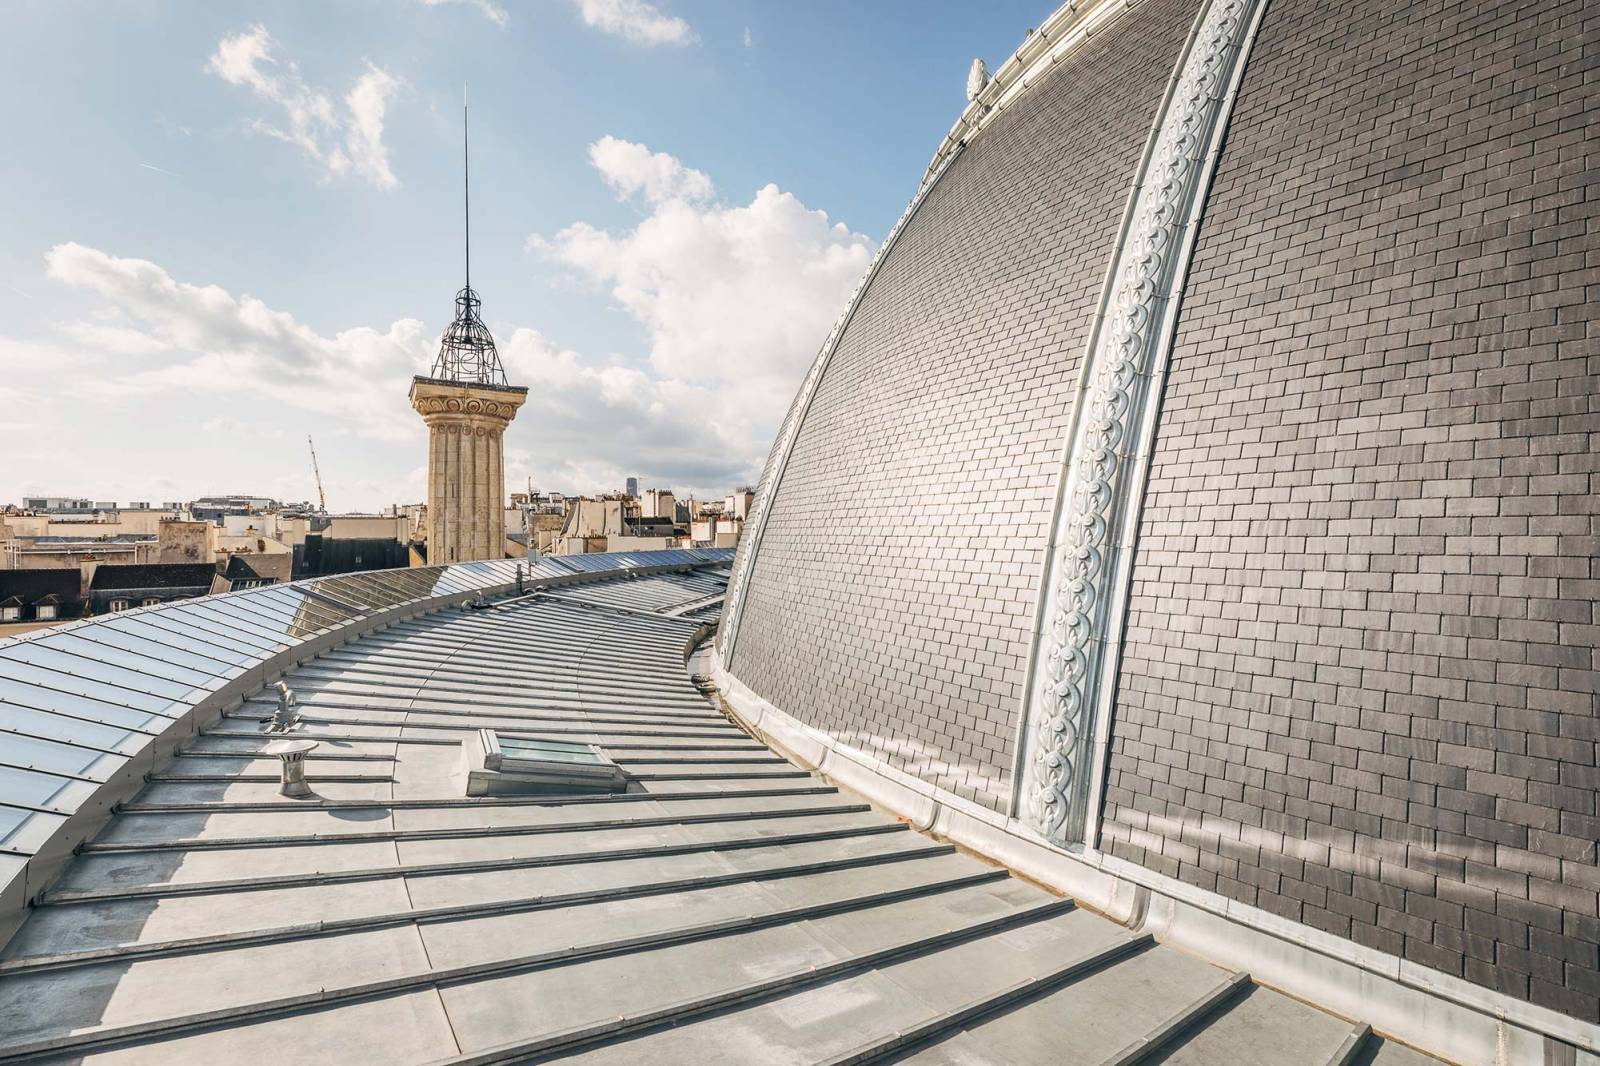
<point x="292" y="754"/>
<point x="287" y="715"/>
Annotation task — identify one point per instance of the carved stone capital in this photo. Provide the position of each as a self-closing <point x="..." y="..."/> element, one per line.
<point x="488" y="406"/>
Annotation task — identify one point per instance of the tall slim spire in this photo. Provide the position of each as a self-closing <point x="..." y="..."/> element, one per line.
<point x="466" y="403"/>
<point x="467" y="351"/>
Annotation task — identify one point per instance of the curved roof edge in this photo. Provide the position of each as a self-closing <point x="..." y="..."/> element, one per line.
<point x="1069" y="26"/>
<point x="1438" y="1012"/>
<point x="88" y="708"/>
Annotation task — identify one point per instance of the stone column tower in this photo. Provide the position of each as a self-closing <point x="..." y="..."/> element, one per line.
<point x="466" y="476"/>
<point x="467" y="405"/>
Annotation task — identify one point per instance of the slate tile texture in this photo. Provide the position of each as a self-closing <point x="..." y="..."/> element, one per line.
<point x="892" y="601"/>
<point x="1360" y="675"/>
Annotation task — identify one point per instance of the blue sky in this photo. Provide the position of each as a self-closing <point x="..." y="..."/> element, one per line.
<point x="228" y="226"/>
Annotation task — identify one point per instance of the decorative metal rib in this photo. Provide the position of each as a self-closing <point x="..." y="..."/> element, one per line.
<point x="1124" y="377"/>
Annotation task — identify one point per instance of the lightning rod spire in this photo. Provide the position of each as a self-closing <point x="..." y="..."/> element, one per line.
<point x="467" y="352"/>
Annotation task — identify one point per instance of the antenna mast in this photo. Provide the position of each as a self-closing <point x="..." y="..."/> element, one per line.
<point x="467" y="352"/>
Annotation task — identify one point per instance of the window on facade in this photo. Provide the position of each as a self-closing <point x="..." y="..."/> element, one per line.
<point x="10" y="614"/>
<point x="44" y="612"/>
<point x="150" y="601"/>
<point x="119" y="605"/>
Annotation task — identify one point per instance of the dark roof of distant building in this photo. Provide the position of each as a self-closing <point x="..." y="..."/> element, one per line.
<point x="33" y="586"/>
<point x="243" y="567"/>
<point x="152" y="576"/>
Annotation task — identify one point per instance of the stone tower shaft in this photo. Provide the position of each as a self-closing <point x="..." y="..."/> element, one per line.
<point x="466" y="472"/>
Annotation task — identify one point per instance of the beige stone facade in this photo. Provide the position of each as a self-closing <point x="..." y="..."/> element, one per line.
<point x="185" y="542"/>
<point x="466" y="475"/>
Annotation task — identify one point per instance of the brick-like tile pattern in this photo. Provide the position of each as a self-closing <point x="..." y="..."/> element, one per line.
<point x="1359" y="687"/>
<point x="892" y="600"/>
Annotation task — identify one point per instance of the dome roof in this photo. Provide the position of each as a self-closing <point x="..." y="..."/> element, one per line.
<point x="1203" y="476"/>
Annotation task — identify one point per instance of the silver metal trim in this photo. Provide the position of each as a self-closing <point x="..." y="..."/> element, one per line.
<point x="1019" y="744"/>
<point x="1087" y="570"/>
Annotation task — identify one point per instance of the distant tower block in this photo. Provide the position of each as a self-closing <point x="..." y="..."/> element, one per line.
<point x="467" y="405"/>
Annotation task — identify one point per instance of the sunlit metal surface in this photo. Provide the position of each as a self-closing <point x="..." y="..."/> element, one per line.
<point x="79" y="700"/>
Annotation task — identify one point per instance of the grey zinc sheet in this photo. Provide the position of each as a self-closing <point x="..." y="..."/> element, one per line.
<point x="77" y="700"/>
<point x="727" y="908"/>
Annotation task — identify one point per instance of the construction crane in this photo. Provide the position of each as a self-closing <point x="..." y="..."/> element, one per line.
<point x="322" y="499"/>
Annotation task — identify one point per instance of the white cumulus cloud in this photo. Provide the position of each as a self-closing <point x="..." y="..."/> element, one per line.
<point x="158" y="342"/>
<point x="734" y="299"/>
<point x="634" y="170"/>
<point x="731" y="294"/>
<point x="635" y="20"/>
<point x="342" y="139"/>
<point x="590" y="425"/>
<point x="203" y="338"/>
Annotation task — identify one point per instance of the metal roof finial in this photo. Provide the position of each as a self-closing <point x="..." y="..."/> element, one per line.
<point x="977" y="78"/>
<point x="467" y="352"/>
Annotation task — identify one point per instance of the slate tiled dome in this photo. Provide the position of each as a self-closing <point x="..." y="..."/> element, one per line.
<point x="1336" y="643"/>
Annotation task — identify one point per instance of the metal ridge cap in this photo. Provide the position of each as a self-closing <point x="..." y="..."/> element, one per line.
<point x="315" y="879"/>
<point x="591" y="1035"/>
<point x="457" y="833"/>
<point x="468" y="911"/>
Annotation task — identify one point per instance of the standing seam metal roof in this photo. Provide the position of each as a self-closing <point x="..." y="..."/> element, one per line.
<point x="729" y="907"/>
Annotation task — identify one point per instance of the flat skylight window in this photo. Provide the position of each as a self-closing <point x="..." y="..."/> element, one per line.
<point x="499" y="764"/>
<point x="523" y="753"/>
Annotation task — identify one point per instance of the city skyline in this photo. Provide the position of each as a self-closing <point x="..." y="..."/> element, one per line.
<point x="632" y="487"/>
<point x="244" y="231"/>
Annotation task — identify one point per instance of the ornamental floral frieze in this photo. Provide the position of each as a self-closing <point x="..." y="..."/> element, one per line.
<point x="1086" y="578"/>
